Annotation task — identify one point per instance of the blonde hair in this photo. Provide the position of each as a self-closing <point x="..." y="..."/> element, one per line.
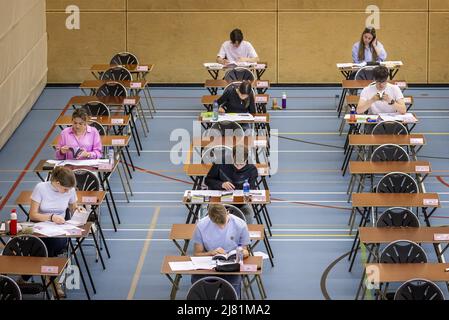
<point x="217" y="213"/>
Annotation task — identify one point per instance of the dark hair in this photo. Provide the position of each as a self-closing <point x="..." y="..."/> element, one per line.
<point x="82" y="113"/>
<point x="64" y="176"/>
<point x="240" y="154"/>
<point x="236" y="36"/>
<point x="361" y="53"/>
<point x="217" y="213"/>
<point x="246" y="88"/>
<point x="380" y="73"/>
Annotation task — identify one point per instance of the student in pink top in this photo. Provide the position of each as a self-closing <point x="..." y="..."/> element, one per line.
<point x="80" y="141"/>
<point x="236" y="50"/>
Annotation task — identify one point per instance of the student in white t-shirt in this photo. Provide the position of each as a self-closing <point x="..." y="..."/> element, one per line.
<point x="236" y="50"/>
<point x="381" y="97"/>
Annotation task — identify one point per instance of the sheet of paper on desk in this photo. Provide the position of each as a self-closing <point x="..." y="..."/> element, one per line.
<point x="391" y="63"/>
<point x="203" y="263"/>
<point x="81" y="163"/>
<point x="238" y="193"/>
<point x="408" y="117"/>
<point x="3" y="227"/>
<point x="79" y="218"/>
<point x="344" y="65"/>
<point x="181" y="266"/>
<point x="255" y="234"/>
<point x="49" y="229"/>
<point x="236" y="117"/>
<point x="261" y="254"/>
<point x="213" y="65"/>
<point x="210" y="193"/>
<point x="260" y="119"/>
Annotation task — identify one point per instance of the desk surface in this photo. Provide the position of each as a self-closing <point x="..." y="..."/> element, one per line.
<point x="259" y="98"/>
<point x="106" y="141"/>
<point x="259" y="120"/>
<point x="379" y="139"/>
<point x="17" y="265"/>
<point x="201" y="169"/>
<point x="360" y="84"/>
<point x="379" y="167"/>
<point x="235" y="200"/>
<point x="354" y="100"/>
<point x="393" y="199"/>
<point x="401" y="272"/>
<point x="220" y="83"/>
<point x="390" y="234"/>
<point x="185" y="231"/>
<point x="165" y="269"/>
<point x="130" y="67"/>
<point x="211" y="141"/>
<point x="109" y="101"/>
<point x="95" y="84"/>
<point x="48" y="168"/>
<point x="24" y="197"/>
<point x="122" y="120"/>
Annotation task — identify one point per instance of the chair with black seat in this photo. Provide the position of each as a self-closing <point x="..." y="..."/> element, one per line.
<point x="212" y="288"/>
<point x="219" y="154"/>
<point x="100" y="128"/>
<point x="9" y="289"/>
<point x="397" y="217"/>
<point x="225" y="128"/>
<point x="419" y="289"/>
<point x="27" y="246"/>
<point x="235" y="211"/>
<point x="97" y="109"/>
<point x="116" y="74"/>
<point x="397" y="182"/>
<point x="389" y="127"/>
<point x="389" y="152"/>
<point x="112" y="89"/>
<point x="239" y="74"/>
<point x="124" y="58"/>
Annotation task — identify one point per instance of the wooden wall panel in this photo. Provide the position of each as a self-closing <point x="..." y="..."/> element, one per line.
<point x="439" y="48"/>
<point x="72" y="52"/>
<point x="201" y="5"/>
<point x="311" y="43"/>
<point x="181" y="47"/>
<point x="351" y="5"/>
<point x="87" y="5"/>
<point x="439" y="5"/>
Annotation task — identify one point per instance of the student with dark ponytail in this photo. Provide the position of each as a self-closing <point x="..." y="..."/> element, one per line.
<point x="237" y="99"/>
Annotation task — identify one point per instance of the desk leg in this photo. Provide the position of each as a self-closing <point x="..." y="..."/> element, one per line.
<point x="87" y="268"/>
<point x="342" y="101"/>
<point x="79" y="267"/>
<point x="175" y="285"/>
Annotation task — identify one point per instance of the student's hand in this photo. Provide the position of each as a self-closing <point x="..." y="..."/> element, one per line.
<point x="221" y="110"/>
<point x="58" y="219"/>
<point x="83" y="154"/>
<point x="228" y="186"/>
<point x="64" y="149"/>
<point x="375" y="98"/>
<point x="242" y="59"/>
<point x="81" y="209"/>
<point x="217" y="251"/>
<point x="386" y="98"/>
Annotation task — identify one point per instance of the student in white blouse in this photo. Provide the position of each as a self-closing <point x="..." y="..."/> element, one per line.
<point x="368" y="49"/>
<point x="236" y="50"/>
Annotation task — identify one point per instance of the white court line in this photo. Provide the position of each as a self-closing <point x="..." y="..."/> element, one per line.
<point x="271" y="192"/>
<point x="275" y="230"/>
<point x="271" y="151"/>
<point x="330" y="239"/>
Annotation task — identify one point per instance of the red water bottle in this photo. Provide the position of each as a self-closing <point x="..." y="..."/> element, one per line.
<point x="13" y="223"/>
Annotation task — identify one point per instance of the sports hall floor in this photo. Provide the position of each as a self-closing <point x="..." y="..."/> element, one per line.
<point x="310" y="231"/>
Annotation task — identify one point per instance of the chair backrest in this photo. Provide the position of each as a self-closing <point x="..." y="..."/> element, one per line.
<point x="219" y="154"/>
<point x="112" y="89"/>
<point x="389" y="127"/>
<point x="397" y="182"/>
<point x="419" y="289"/>
<point x="86" y="180"/>
<point x="101" y="130"/>
<point x="117" y="74"/>
<point x="97" y="108"/>
<point x="389" y="152"/>
<point x="25" y="245"/>
<point x="9" y="290"/>
<point x="403" y="251"/>
<point x="239" y="74"/>
<point x="212" y="288"/>
<point x="397" y="217"/>
<point x="124" y="58"/>
<point x="365" y="73"/>
<point x="235" y="211"/>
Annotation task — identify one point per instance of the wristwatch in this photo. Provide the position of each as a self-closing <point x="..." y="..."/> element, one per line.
<point x="392" y="102"/>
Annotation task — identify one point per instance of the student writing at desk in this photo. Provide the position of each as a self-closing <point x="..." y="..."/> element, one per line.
<point x="218" y="233"/>
<point x="80" y="141"/>
<point x="236" y="50"/>
<point x="381" y="97"/>
<point x="231" y="176"/>
<point x="49" y="202"/>
<point x="237" y="99"/>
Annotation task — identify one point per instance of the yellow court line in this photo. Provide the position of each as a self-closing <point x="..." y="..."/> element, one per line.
<point x="311" y="235"/>
<point x="143" y="255"/>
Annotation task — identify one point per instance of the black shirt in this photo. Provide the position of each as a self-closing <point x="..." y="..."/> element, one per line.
<point x="220" y="173"/>
<point x="232" y="103"/>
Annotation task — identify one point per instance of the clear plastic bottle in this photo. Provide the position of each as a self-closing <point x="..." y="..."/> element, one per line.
<point x="246" y="190"/>
<point x="215" y="111"/>
<point x="284" y="100"/>
<point x="111" y="156"/>
<point x="239" y="254"/>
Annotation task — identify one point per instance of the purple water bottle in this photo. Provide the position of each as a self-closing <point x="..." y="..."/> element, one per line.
<point x="284" y="100"/>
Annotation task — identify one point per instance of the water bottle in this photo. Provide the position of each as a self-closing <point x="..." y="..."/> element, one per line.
<point x="284" y="100"/>
<point x="352" y="114"/>
<point x="239" y="254"/>
<point x="111" y="156"/>
<point x="246" y="190"/>
<point x="13" y="223"/>
<point x="215" y="111"/>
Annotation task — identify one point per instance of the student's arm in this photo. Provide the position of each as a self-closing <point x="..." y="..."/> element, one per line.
<point x="255" y="59"/>
<point x="97" y="147"/>
<point x="252" y="55"/>
<point x="355" y="53"/>
<point x="61" y="148"/>
<point x="212" y="180"/>
<point x="252" y="104"/>
<point x="244" y="240"/>
<point x="365" y="101"/>
<point x="36" y="216"/>
<point x="252" y="179"/>
<point x="223" y="101"/>
<point x="198" y="250"/>
<point x="380" y="50"/>
<point x="399" y="103"/>
<point x="221" y="56"/>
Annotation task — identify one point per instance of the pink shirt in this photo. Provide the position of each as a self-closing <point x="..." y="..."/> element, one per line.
<point x="90" y="142"/>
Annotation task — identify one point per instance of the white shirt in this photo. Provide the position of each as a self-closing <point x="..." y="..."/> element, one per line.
<point x="244" y="50"/>
<point x="381" y="106"/>
<point x="50" y="200"/>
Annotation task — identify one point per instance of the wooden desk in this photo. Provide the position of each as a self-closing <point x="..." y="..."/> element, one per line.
<point x="259" y="68"/>
<point x="362" y="168"/>
<point x="353" y="100"/>
<point x="166" y="270"/>
<point x="109" y="100"/>
<point x="260" y="100"/>
<point x="66" y="120"/>
<point x="389" y="200"/>
<point x="106" y="141"/>
<point x="214" y="85"/>
<point x="347" y="71"/>
<point x="261" y="118"/>
<point x="248" y="141"/>
<point x="18" y="265"/>
<point x="130" y="85"/>
<point x="98" y="69"/>
<point x="24" y="198"/>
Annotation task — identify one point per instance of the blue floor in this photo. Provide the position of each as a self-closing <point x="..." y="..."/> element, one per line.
<point x="310" y="214"/>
